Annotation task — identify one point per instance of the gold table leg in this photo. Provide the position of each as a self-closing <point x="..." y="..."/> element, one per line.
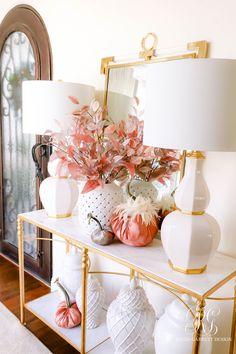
<point x="233" y="327"/>
<point x="198" y="326"/>
<point x="21" y="268"/>
<point x="85" y="262"/>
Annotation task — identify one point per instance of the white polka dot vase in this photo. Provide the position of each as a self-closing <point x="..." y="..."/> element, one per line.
<point x="100" y="202"/>
<point x="131" y="320"/>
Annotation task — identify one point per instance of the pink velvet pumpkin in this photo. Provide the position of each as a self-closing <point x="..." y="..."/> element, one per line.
<point x="136" y="222"/>
<point x="67" y="315"/>
<point x="134" y="232"/>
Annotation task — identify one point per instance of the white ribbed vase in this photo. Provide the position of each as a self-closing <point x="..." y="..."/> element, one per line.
<point x="95" y="302"/>
<point x="130" y="320"/>
<point x="101" y="202"/>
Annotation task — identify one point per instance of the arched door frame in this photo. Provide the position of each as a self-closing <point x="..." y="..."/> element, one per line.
<point x="24" y="18"/>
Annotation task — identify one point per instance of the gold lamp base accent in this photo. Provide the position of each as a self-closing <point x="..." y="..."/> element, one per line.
<point x="60" y="216"/>
<point x="186" y="271"/>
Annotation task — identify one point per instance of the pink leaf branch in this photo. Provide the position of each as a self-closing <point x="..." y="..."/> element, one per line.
<point x="98" y="151"/>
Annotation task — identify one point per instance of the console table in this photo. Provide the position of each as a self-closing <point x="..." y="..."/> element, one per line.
<point x="149" y="262"/>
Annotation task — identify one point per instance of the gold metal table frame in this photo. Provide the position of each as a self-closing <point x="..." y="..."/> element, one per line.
<point x="174" y="289"/>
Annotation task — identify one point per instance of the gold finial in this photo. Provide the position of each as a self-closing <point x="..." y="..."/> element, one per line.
<point x="148" y="51"/>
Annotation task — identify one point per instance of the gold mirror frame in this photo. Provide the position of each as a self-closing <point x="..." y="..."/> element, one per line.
<point x="150" y="55"/>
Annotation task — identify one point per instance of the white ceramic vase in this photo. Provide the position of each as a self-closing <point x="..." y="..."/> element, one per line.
<point x="58" y="194"/>
<point x="95" y="302"/>
<point x="130" y="320"/>
<point x="174" y="330"/>
<point x="101" y="202"/>
<point x="71" y="275"/>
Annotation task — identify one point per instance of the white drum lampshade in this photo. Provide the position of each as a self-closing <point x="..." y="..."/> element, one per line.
<point x="46" y="106"/>
<point x="191" y="105"/>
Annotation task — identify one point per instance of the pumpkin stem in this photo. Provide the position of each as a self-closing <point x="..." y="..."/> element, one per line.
<point x="129" y="191"/>
<point x="65" y="293"/>
<point x="90" y="216"/>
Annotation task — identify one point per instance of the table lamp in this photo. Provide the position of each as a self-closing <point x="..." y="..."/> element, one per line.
<point x="191" y="105"/>
<point x="46" y="106"/>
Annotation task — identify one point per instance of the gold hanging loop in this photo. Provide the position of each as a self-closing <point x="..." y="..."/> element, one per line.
<point x="149" y="51"/>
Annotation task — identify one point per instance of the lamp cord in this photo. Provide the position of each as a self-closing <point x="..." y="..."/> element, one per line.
<point x="44" y="152"/>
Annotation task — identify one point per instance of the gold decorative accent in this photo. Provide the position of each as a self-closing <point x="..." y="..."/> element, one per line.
<point x="60" y="216"/>
<point x="182" y="164"/>
<point x="196" y="154"/>
<point x="199" y="315"/>
<point x="60" y="177"/>
<point x="191" y="212"/>
<point x="148" y="52"/>
<point x="186" y="271"/>
<point x="222" y="298"/>
<point x="132" y="274"/>
<point x="201" y="47"/>
<point x="67" y="247"/>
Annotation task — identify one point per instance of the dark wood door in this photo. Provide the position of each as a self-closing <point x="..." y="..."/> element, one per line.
<point x="25" y="55"/>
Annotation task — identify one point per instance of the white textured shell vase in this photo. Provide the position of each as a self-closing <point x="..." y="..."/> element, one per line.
<point x="174" y="330"/>
<point x="71" y="274"/>
<point x="130" y="320"/>
<point x="101" y="203"/>
<point x="95" y="302"/>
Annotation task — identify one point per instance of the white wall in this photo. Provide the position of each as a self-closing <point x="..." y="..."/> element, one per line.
<point x="82" y="32"/>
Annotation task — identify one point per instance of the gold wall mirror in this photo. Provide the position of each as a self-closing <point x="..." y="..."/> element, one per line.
<point x="125" y="79"/>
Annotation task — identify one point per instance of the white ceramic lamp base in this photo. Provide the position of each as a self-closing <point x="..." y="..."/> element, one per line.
<point x="59" y="196"/>
<point x="189" y="235"/>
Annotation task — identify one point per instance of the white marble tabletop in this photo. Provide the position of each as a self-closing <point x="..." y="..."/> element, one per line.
<point x="151" y="260"/>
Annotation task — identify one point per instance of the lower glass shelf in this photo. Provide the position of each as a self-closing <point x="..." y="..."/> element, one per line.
<point x="45" y="307"/>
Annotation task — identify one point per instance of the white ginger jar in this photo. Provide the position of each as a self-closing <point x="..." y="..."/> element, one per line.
<point x="71" y="274"/>
<point x="100" y="202"/>
<point x="175" y="328"/>
<point x="95" y="302"/>
<point x="130" y="320"/>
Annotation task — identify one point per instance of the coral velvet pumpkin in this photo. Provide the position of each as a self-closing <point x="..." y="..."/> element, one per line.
<point x="67" y="315"/>
<point x="135" y="223"/>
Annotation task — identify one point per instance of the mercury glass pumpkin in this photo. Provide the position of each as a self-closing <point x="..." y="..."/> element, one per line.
<point x="130" y="320"/>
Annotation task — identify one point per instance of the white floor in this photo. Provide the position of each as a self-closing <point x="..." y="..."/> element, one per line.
<point x="15" y="338"/>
